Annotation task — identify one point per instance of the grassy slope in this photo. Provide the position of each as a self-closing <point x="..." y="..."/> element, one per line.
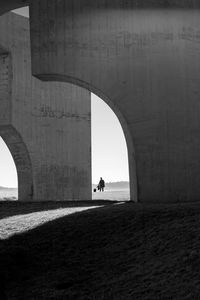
<point x="125" y="251"/>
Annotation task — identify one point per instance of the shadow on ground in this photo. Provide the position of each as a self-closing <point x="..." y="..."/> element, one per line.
<point x="125" y="251"/>
<point x="13" y="208"/>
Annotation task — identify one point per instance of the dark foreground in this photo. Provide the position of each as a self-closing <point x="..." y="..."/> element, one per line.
<point x="124" y="251"/>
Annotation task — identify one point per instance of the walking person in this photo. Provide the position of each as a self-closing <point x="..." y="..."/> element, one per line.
<point x="101" y="185"/>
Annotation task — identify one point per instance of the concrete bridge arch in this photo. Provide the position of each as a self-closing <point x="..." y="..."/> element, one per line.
<point x="144" y="56"/>
<point x="124" y="125"/>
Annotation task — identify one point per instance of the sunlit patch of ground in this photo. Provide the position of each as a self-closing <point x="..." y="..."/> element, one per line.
<point x="22" y="223"/>
<point x="115" y="252"/>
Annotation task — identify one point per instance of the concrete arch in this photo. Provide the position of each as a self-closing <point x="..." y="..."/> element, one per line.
<point x="146" y="61"/>
<point x="20" y="155"/>
<point x="124" y="125"/>
<point x="129" y="143"/>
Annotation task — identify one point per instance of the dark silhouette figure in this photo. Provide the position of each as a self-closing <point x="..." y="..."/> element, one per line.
<point x="101" y="185"/>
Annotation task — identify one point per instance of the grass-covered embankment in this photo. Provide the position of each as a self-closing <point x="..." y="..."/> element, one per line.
<point x="126" y="251"/>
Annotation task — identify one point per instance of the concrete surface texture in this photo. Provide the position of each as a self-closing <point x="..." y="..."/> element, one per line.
<point x="7" y="5"/>
<point x="47" y="126"/>
<point x="145" y="64"/>
<point x="142" y="58"/>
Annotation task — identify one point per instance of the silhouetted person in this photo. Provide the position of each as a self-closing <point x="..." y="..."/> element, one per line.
<point x="101" y="185"/>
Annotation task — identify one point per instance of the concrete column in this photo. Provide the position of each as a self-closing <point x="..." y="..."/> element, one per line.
<point x="9" y="134"/>
<point x="51" y="122"/>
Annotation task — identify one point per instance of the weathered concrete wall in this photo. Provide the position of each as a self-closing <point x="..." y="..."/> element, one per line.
<point x="7" y="5"/>
<point x="146" y="63"/>
<point x="47" y="126"/>
<point x="142" y="58"/>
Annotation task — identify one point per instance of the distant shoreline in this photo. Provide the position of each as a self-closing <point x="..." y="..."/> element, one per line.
<point x="118" y="185"/>
<point x="113" y="191"/>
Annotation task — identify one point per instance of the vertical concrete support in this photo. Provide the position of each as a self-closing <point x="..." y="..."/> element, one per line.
<point x="52" y="119"/>
<point x="22" y="161"/>
<point x="146" y="62"/>
<point x="59" y="141"/>
<point x="9" y="134"/>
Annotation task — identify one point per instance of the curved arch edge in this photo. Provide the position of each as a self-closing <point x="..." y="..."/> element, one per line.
<point x="121" y="118"/>
<point x="21" y="157"/>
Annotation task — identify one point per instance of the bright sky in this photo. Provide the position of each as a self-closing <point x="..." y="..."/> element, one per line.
<point x="8" y="173"/>
<point x="109" y="151"/>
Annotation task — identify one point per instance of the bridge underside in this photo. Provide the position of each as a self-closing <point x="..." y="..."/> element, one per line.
<point x="142" y="58"/>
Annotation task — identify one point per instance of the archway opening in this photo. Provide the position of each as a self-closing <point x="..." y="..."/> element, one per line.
<point x="129" y="160"/>
<point x="8" y="174"/>
<point x="109" y="153"/>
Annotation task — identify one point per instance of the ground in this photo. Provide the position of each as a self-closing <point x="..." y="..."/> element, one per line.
<point x="118" y="251"/>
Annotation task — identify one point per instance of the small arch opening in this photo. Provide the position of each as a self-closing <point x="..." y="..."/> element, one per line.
<point x="8" y="174"/>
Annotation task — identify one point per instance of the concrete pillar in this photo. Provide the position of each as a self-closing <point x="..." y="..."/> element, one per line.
<point x="142" y="57"/>
<point x="47" y="126"/>
<point x="11" y="137"/>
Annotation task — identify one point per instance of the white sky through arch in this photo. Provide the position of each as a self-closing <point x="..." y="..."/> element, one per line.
<point x="109" y="150"/>
<point x="8" y="172"/>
